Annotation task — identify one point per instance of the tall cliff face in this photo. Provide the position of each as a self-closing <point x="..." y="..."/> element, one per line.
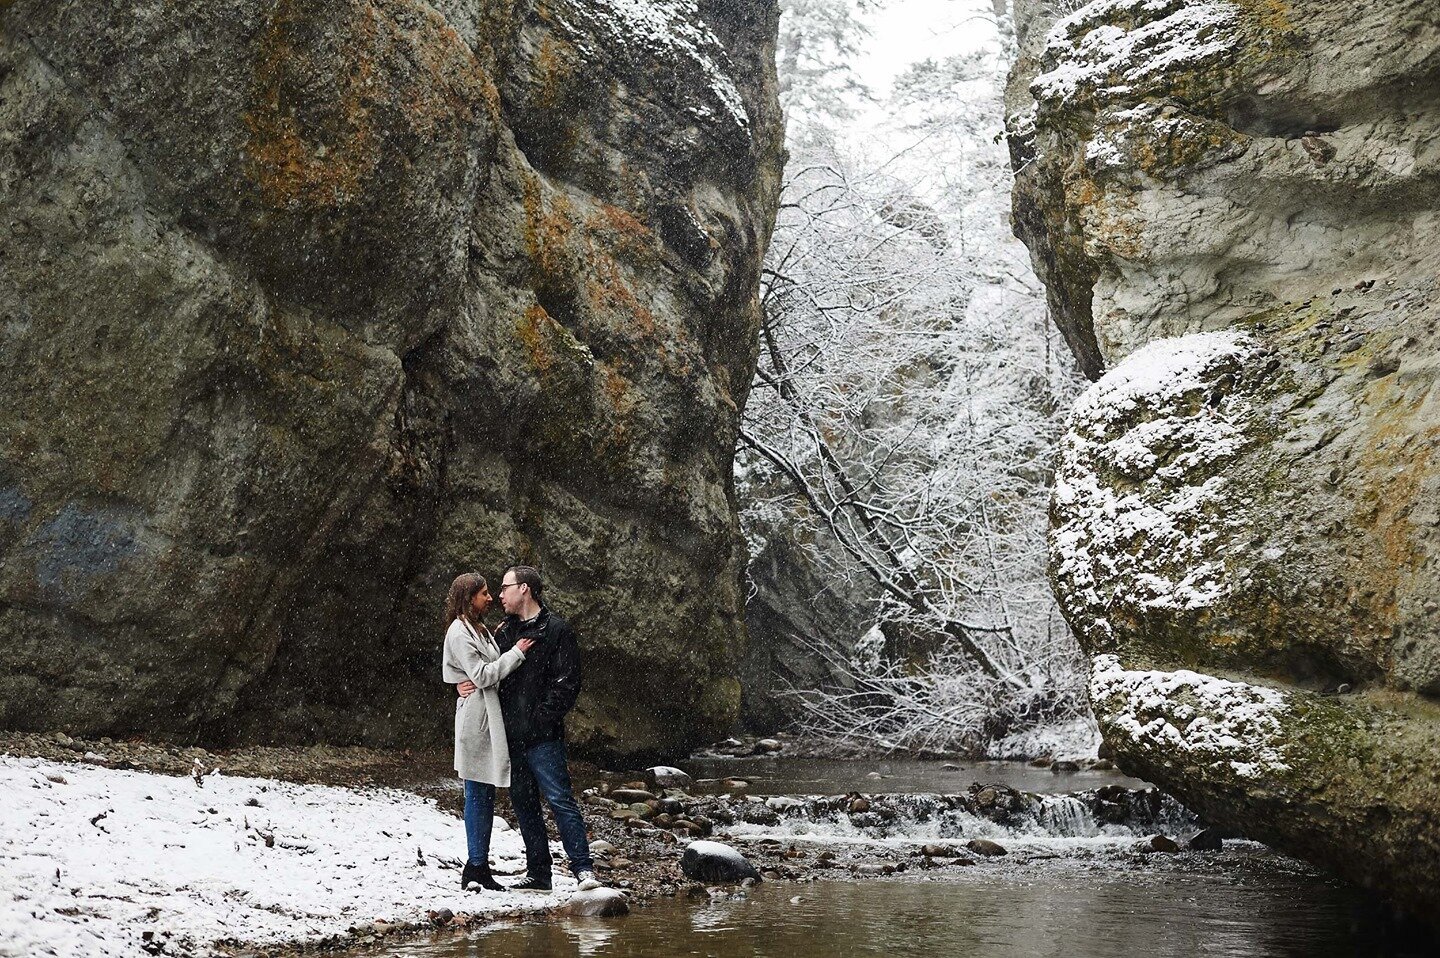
<point x="306" y="308"/>
<point x="1236" y="210"/>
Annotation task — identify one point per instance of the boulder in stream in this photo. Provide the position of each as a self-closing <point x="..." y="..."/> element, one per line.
<point x="714" y="863"/>
<point x="597" y="903"/>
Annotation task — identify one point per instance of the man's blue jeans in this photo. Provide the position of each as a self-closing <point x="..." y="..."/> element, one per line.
<point x="541" y="769"/>
<point x="479" y="820"/>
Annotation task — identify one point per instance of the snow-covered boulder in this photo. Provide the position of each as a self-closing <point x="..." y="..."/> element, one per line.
<point x="665" y="776"/>
<point x="714" y="863"/>
<point x="1232" y="206"/>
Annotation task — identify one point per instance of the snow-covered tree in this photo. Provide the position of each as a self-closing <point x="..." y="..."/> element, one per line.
<point x="903" y="418"/>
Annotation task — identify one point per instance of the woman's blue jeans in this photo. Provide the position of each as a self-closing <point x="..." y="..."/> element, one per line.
<point x="479" y="819"/>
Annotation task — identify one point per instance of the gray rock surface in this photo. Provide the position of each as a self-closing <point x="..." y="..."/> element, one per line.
<point x="306" y="308"/>
<point x="713" y="863"/>
<point x="597" y="903"/>
<point x="1236" y="211"/>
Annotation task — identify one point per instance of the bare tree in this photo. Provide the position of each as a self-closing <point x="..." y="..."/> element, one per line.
<point x="906" y="404"/>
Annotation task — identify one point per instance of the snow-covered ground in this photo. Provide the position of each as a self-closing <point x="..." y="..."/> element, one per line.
<point x="93" y="859"/>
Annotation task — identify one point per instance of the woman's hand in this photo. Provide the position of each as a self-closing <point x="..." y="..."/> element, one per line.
<point x="525" y="645"/>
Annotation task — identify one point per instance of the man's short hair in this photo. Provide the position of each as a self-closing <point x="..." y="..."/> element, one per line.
<point x="529" y="575"/>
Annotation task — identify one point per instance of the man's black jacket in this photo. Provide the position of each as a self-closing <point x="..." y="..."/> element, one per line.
<point x="536" y="696"/>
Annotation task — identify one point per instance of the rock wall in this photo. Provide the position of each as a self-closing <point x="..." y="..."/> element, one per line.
<point x="306" y="308"/>
<point x="1235" y="207"/>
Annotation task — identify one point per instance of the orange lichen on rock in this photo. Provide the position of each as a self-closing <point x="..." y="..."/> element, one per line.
<point x="314" y="164"/>
<point x="548" y="227"/>
<point x="320" y="117"/>
<point x="530" y="328"/>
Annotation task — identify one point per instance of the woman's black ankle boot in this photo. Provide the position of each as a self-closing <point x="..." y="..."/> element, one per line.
<point x="479" y="875"/>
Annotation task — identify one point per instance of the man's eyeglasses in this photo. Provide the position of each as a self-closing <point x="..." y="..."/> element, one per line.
<point x="509" y="585"/>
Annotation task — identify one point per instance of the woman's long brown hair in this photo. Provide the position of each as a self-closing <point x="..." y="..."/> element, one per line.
<point x="462" y="592"/>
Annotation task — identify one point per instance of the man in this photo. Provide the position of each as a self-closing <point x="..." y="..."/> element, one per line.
<point x="534" y="700"/>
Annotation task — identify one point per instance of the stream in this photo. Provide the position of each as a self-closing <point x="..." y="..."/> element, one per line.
<point x="1070" y="886"/>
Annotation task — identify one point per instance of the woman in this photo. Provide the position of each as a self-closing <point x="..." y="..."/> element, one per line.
<point x="482" y="757"/>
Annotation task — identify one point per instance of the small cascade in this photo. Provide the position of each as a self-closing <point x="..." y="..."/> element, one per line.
<point x="1065" y="816"/>
<point x="985" y="811"/>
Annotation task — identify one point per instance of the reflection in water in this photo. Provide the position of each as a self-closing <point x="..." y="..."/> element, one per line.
<point x="1249" y="903"/>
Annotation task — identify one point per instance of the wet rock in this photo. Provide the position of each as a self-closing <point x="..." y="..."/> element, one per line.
<point x="986" y="847"/>
<point x="757" y="813"/>
<point x="1043" y="761"/>
<point x="630" y="796"/>
<point x="1206" y="840"/>
<point x="872" y="868"/>
<point x="766" y="745"/>
<point x="1064" y="765"/>
<point x="624" y="814"/>
<point x="859" y="805"/>
<point x="939" y="851"/>
<point x="601" y="847"/>
<point x="597" y="903"/>
<point x="1159" y="843"/>
<point x="714" y="863"/>
<point x="440" y="916"/>
<point x="665" y="776"/>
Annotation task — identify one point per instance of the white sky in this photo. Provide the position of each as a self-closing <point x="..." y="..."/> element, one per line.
<point x="907" y="31"/>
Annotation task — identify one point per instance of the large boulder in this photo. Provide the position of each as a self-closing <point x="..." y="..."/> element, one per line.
<point x="1235" y="207"/>
<point x="307" y="307"/>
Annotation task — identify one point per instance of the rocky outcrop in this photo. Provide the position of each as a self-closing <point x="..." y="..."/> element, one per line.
<point x="1235" y="207"/>
<point x="305" y="308"/>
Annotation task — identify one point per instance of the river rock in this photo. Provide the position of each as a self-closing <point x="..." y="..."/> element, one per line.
<point x="664" y="776"/>
<point x="986" y="847"/>
<point x="1239" y="245"/>
<point x="1159" y="843"/>
<point x="307" y="307"/>
<point x="597" y="903"/>
<point x="767" y="745"/>
<point x="630" y="796"/>
<point x="757" y="813"/>
<point x="1206" y="840"/>
<point x="714" y="863"/>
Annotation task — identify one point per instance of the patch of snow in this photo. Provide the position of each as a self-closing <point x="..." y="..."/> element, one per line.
<point x="717" y="850"/>
<point x="93" y="858"/>
<point x="1141" y="500"/>
<point x="1078" y="738"/>
<point x="1230" y="722"/>
<point x="666" y="33"/>
<point x="1089" y="50"/>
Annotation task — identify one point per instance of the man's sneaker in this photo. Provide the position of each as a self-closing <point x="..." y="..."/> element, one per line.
<point x="587" y="879"/>
<point x="531" y="883"/>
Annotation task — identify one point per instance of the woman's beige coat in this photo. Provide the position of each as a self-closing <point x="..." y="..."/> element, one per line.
<point x="481" y="752"/>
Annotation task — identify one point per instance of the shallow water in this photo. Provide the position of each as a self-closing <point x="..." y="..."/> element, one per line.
<point x="780" y="775"/>
<point x="1239" y="904"/>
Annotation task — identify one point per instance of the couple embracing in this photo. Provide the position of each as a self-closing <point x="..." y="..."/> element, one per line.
<point x="516" y="685"/>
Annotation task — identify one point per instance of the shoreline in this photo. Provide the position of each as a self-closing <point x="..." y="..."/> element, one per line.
<point x="642" y="857"/>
